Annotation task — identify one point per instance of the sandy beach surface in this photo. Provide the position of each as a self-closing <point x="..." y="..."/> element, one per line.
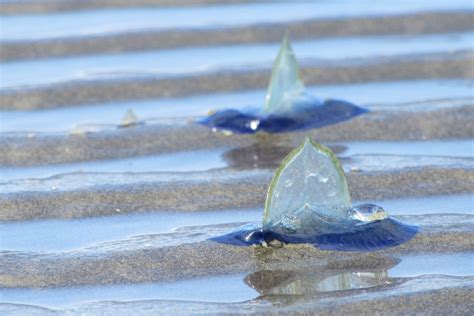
<point x="98" y="217"/>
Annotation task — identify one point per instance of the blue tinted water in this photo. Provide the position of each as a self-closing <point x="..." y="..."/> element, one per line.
<point x="456" y="264"/>
<point x="228" y="288"/>
<point x="368" y="95"/>
<point x="96" y="22"/>
<point x="200" y="160"/>
<point x="446" y="148"/>
<point x="231" y="288"/>
<point x="67" y="234"/>
<point x="198" y="60"/>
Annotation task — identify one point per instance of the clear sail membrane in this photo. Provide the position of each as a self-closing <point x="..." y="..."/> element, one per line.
<point x="130" y="119"/>
<point x="286" y="87"/>
<point x="308" y="190"/>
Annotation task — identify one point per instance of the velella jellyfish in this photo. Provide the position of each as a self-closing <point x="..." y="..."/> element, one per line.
<point x="130" y="119"/>
<point x="308" y="201"/>
<point x="288" y="107"/>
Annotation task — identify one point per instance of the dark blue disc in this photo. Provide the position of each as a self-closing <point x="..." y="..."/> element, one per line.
<point x="330" y="112"/>
<point x="366" y="237"/>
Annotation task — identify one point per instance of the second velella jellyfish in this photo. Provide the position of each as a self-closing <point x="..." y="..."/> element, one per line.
<point x="288" y="107"/>
<point x="308" y="201"/>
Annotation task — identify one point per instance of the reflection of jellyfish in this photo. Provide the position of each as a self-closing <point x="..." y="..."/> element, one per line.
<point x="308" y="201"/>
<point x="288" y="107"/>
<point x="284" y="282"/>
<point x="262" y="155"/>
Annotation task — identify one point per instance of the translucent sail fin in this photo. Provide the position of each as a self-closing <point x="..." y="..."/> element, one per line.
<point x="129" y="119"/>
<point x="308" y="188"/>
<point x="285" y="83"/>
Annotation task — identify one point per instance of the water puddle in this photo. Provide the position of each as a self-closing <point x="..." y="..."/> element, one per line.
<point x="359" y="163"/>
<point x="455" y="264"/>
<point x="380" y="156"/>
<point x="256" y="159"/>
<point x="443" y="204"/>
<point x="217" y="289"/>
<point x="193" y="60"/>
<point x="68" y="234"/>
<point x="242" y="159"/>
<point x="110" y="21"/>
<point x="388" y="96"/>
<point x="268" y="282"/>
<point x="98" y="181"/>
<point x="55" y="235"/>
<point x="201" y="160"/>
<point x="449" y="148"/>
<point x="365" y="156"/>
<point x="241" y="287"/>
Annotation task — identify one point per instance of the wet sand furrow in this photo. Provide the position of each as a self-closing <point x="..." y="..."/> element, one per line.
<point x="189" y="260"/>
<point x="450" y="123"/>
<point x="216" y="191"/>
<point x="42" y="7"/>
<point x="421" y="295"/>
<point x="425" y="66"/>
<point x="80" y="264"/>
<point x="446" y="301"/>
<point x="421" y="23"/>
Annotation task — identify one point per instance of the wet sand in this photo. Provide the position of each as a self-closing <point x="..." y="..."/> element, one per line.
<point x="411" y="298"/>
<point x="44" y="6"/>
<point x="423" y="23"/>
<point x="32" y="149"/>
<point x="424" y="66"/>
<point x="420" y="295"/>
<point x="219" y="190"/>
<point x="438" y="234"/>
<point x="284" y="278"/>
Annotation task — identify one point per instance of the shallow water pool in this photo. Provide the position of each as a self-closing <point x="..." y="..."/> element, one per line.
<point x="200" y="60"/>
<point x="52" y="235"/>
<point x="387" y="96"/>
<point x="107" y="21"/>
<point x="239" y="287"/>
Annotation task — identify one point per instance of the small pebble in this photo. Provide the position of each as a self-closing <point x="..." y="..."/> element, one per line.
<point x="276" y="243"/>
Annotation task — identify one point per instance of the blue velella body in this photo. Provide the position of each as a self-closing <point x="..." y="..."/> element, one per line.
<point x="367" y="237"/>
<point x="319" y="115"/>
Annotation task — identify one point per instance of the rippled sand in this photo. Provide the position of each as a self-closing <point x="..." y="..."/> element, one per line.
<point x="106" y="220"/>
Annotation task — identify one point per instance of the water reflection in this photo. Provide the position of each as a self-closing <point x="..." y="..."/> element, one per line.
<point x="356" y="156"/>
<point x="300" y="283"/>
<point x="303" y="282"/>
<point x="263" y="154"/>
